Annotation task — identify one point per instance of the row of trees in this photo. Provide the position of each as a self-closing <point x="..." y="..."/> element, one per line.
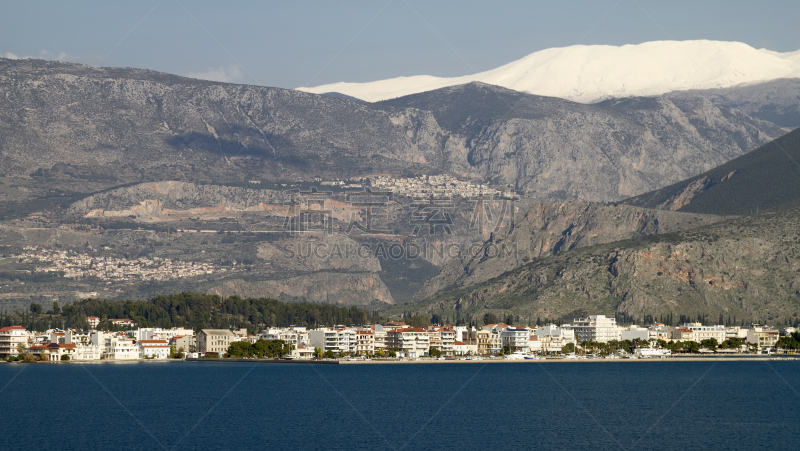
<point x="260" y="349"/>
<point x="192" y="310"/>
<point x="630" y="346"/>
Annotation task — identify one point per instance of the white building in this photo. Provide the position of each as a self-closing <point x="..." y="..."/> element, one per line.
<point x="697" y="332"/>
<point x="87" y="351"/>
<point x="118" y="348"/>
<point x="596" y="328"/>
<point x="635" y="332"/>
<point x="93" y="321"/>
<point x="302" y="352"/>
<point x="461" y="348"/>
<point x="157" y="333"/>
<point x="412" y="341"/>
<point x="10" y="339"/>
<point x="517" y="339"/>
<point x="556" y="334"/>
<point x="153" y="349"/>
<point x="335" y="340"/>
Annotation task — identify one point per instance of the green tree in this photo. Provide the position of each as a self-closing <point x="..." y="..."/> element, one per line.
<point x="20" y="348"/>
<point x="317" y="352"/>
<point x="434" y="352"/>
<point x="710" y="343"/>
<point x="568" y="348"/>
<point x="490" y="318"/>
<point x="64" y="358"/>
<point x="56" y="308"/>
<point x="36" y="308"/>
<point x="328" y="354"/>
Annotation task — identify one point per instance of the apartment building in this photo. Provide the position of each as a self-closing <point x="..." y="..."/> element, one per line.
<point x="595" y="328"/>
<point x="335" y="340"/>
<point x="183" y="343"/>
<point x="561" y="334"/>
<point x="214" y="340"/>
<point x="365" y="342"/>
<point x="120" y="348"/>
<point x="698" y="332"/>
<point x="763" y="336"/>
<point x="635" y="332"/>
<point x="516" y="339"/>
<point x="484" y="342"/>
<point x="412" y="341"/>
<point x="10" y="339"/>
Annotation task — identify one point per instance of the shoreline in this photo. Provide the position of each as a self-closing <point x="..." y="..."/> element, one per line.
<point x="703" y="358"/>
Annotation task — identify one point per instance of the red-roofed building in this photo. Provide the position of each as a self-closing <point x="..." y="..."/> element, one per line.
<point x="54" y="350"/>
<point x="10" y="339"/>
<point x="412" y="341"/>
<point x="461" y="348"/>
<point x="365" y="342"/>
<point x="153" y="349"/>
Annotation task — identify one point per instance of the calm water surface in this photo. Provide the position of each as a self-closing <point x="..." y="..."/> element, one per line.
<point x="576" y="405"/>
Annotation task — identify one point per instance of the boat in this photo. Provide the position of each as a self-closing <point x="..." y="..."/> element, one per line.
<point x="516" y="355"/>
<point x="532" y="357"/>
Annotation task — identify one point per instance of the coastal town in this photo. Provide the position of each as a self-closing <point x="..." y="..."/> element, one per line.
<point x="76" y="265"/>
<point x="594" y="336"/>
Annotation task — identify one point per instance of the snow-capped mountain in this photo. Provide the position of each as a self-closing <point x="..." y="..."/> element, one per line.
<point x="591" y="73"/>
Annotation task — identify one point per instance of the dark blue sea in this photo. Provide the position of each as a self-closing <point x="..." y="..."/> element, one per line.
<point x="522" y="405"/>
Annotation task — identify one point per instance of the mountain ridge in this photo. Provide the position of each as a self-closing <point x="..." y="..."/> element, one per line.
<point x="592" y="73"/>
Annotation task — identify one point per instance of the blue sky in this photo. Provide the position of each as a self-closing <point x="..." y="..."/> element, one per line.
<point x="291" y="44"/>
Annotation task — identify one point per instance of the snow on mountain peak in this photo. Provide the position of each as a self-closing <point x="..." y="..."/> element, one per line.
<point x="591" y="73"/>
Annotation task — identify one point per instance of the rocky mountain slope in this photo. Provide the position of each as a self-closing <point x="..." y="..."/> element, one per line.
<point x="544" y="229"/>
<point x="555" y="149"/>
<point x="126" y="125"/>
<point x="85" y="129"/>
<point x="746" y="268"/>
<point x="776" y="101"/>
<point x="590" y="73"/>
<point x="768" y="177"/>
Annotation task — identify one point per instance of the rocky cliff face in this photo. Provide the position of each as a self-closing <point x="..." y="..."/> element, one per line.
<point x="746" y="268"/>
<point x="116" y="126"/>
<point x="325" y="288"/>
<point x="554" y="149"/>
<point x="776" y="101"/>
<point x="133" y="124"/>
<point x="545" y="229"/>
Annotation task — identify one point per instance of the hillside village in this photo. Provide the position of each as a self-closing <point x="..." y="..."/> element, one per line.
<point x="435" y="184"/>
<point x="77" y="265"/>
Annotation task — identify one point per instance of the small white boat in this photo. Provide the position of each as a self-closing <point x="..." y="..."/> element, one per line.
<point x="516" y="355"/>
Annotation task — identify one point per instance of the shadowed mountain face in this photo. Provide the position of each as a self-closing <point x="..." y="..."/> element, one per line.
<point x="768" y="177"/>
<point x="747" y="268"/>
<point x="136" y="125"/>
<point x="114" y="126"/>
